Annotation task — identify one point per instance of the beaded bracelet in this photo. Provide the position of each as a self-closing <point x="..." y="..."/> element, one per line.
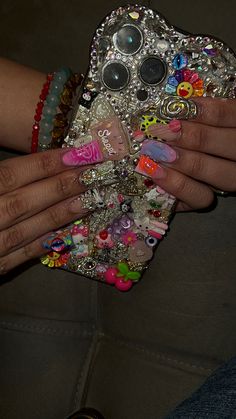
<point x="38" y="113"/>
<point x="50" y="126"/>
<point x="61" y="120"/>
<point x="51" y="104"/>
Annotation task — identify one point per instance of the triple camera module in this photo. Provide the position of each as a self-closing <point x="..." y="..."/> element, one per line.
<point x="128" y="40"/>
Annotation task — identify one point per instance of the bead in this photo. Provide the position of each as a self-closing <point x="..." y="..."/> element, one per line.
<point x="156" y="213"/>
<point x="52" y="100"/>
<point x="48" y="112"/>
<point x="122" y="285"/>
<point x="36" y="127"/>
<point x="46" y="126"/>
<point x="110" y="275"/>
<point x="56" y="87"/>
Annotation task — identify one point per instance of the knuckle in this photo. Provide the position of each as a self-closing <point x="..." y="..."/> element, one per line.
<point x="28" y="251"/>
<point x="15" y="206"/>
<point x="221" y="112"/>
<point x="179" y="185"/>
<point x="65" y="184"/>
<point x="196" y="165"/>
<point x="12" y="238"/>
<point x="47" y="163"/>
<point x="55" y="217"/>
<point x="195" y="137"/>
<point x="7" y="178"/>
<point x="208" y="198"/>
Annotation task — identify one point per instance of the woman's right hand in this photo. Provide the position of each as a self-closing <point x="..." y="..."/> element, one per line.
<point x="38" y="194"/>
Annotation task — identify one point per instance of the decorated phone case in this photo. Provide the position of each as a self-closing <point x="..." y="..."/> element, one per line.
<point x="142" y="71"/>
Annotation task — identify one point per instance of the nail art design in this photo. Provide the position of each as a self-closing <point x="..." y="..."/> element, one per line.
<point x="158" y="151"/>
<point x="169" y="132"/>
<point x="85" y="155"/>
<point x="148" y="167"/>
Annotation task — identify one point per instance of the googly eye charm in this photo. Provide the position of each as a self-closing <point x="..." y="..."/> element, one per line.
<point x="151" y="241"/>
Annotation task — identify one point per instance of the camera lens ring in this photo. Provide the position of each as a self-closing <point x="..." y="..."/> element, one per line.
<point x="115" y="75"/>
<point x="156" y="72"/>
<point x="139" y="42"/>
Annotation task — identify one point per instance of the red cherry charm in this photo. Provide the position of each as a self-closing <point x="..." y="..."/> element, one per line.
<point x="122" y="285"/>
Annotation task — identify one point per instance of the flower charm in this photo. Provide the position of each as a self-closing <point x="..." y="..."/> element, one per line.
<point x="185" y="83"/>
<point x="55" y="260"/>
<point x="129" y="238"/>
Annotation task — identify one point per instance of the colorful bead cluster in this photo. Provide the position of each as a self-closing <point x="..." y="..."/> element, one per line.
<point x="142" y="72"/>
<point x="56" y="101"/>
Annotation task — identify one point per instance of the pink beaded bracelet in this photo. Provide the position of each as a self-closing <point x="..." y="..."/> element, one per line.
<point x="38" y="113"/>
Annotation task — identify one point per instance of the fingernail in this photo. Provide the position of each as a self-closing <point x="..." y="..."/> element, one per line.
<point x="82" y="156"/>
<point x="103" y="174"/>
<point x="169" y="132"/>
<point x="88" y="201"/>
<point x="76" y="206"/>
<point x="158" y="151"/>
<point x="148" y="167"/>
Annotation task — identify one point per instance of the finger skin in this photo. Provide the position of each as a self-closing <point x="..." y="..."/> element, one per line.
<point x="219" y="173"/>
<point x="20" y="171"/>
<point x="193" y="194"/>
<point x="217" y="112"/>
<point x="194" y="136"/>
<point x="28" y="252"/>
<point x="29" y="230"/>
<point x="28" y="200"/>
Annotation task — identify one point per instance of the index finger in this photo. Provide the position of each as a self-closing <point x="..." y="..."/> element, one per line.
<point x="20" y="171"/>
<point x="218" y="112"/>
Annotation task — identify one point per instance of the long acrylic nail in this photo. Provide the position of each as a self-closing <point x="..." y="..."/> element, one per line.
<point x="168" y="132"/>
<point x="148" y="167"/>
<point x="158" y="151"/>
<point x="85" y="155"/>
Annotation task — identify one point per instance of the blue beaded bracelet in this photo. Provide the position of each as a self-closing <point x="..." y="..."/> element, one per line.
<point x="51" y="104"/>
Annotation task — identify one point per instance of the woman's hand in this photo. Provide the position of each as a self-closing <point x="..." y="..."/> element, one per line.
<point x="38" y="194"/>
<point x="204" y="155"/>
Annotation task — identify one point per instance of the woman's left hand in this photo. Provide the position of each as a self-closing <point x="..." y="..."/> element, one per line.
<point x="199" y="155"/>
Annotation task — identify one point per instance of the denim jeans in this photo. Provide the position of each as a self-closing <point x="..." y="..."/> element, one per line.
<point x="215" y="399"/>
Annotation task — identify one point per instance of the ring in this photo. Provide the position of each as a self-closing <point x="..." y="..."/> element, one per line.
<point x="220" y="193"/>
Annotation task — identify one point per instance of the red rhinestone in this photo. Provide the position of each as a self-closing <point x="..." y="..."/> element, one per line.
<point x="37" y="117"/>
<point x="36" y="127"/>
<point x="40" y="106"/>
<point x="50" y="77"/>
<point x="148" y="182"/>
<point x="35" y="135"/>
<point x="103" y="234"/>
<point x="156" y="213"/>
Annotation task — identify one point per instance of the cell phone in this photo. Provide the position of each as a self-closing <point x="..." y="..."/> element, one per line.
<point x="142" y="71"/>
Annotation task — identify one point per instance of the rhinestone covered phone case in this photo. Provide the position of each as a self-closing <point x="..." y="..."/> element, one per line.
<point x="142" y="71"/>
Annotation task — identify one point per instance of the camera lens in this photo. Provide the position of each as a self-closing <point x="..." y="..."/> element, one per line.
<point x="128" y="39"/>
<point x="152" y="70"/>
<point x="115" y="76"/>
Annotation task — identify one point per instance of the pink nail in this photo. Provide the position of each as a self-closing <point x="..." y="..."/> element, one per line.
<point x="175" y="125"/>
<point x="87" y="154"/>
<point x="168" y="132"/>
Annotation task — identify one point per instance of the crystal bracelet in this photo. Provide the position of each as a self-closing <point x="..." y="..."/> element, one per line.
<point x="50" y="107"/>
<point x="38" y="113"/>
